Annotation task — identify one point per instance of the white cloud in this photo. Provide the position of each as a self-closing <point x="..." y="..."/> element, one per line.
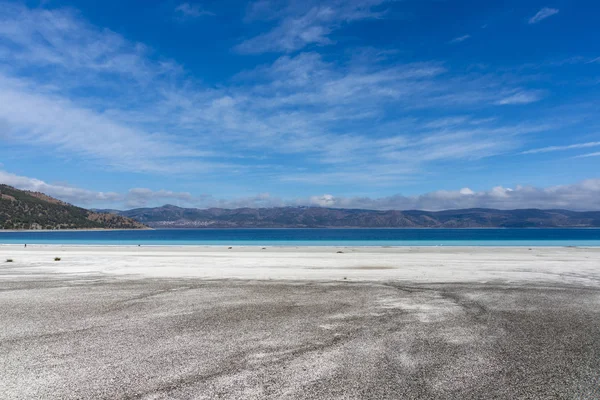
<point x="325" y="200"/>
<point x="113" y="103"/>
<point x="60" y="40"/>
<point x="543" y="14"/>
<point x="521" y="97"/>
<point x="115" y="128"/>
<point x="136" y="197"/>
<point x="304" y="23"/>
<point x="562" y="148"/>
<point x="63" y="192"/>
<point x="326" y="99"/>
<point x="597" y="154"/>
<point x="34" y="117"/>
<point x="192" y="11"/>
<point x="579" y="196"/>
<point x="460" y="39"/>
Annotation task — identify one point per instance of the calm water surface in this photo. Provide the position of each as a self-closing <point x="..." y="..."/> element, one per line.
<point x="316" y="237"/>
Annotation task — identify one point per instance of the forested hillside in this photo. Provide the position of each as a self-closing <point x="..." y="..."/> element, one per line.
<point x="21" y="209"/>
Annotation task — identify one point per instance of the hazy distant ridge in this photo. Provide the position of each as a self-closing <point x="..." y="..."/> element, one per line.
<point x="169" y="216"/>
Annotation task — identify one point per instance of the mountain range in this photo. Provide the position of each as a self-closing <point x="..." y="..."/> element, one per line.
<point x="170" y="216"/>
<point x="21" y="209"/>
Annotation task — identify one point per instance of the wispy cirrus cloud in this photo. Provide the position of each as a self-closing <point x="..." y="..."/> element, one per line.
<point x="73" y="57"/>
<point x="115" y="103"/>
<point x="460" y="39"/>
<point x="31" y="116"/>
<point x="521" y="97"/>
<point x="59" y="42"/>
<point x="597" y="154"/>
<point x="544" y="13"/>
<point x="299" y="24"/>
<point x="188" y="10"/>
<point x="549" y="149"/>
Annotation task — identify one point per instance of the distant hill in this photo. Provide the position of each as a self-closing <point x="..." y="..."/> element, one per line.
<point x="169" y="216"/>
<point x="20" y="209"/>
<point x="31" y="210"/>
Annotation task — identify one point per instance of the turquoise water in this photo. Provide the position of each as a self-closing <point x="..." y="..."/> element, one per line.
<point x="316" y="237"/>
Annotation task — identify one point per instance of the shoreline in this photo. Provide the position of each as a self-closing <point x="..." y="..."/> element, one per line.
<point x="237" y="246"/>
<point x="74" y="230"/>
<point x="300" y="228"/>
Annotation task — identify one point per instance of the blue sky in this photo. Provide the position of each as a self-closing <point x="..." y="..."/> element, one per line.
<point x="360" y="103"/>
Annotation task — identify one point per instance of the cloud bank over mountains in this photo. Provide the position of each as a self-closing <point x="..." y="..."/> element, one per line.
<point x="582" y="196"/>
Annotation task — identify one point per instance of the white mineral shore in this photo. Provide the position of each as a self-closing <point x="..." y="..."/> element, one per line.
<point x="118" y="322"/>
<point x="568" y="265"/>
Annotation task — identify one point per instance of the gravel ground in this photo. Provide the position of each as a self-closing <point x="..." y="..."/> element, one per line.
<point x="99" y="337"/>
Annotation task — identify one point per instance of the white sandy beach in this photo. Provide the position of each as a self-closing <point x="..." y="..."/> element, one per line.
<point x="305" y="323"/>
<point x="567" y="265"/>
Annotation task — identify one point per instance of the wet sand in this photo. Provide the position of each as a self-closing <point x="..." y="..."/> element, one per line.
<point x="205" y="323"/>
